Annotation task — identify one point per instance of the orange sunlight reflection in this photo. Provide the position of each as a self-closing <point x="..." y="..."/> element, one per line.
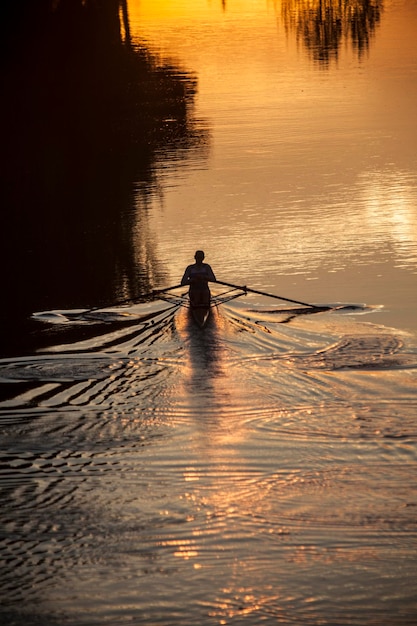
<point x="189" y="9"/>
<point x="228" y="497"/>
<point x="219" y="486"/>
<point x="392" y="194"/>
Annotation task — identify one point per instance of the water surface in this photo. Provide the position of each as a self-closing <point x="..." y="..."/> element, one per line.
<point x="259" y="471"/>
<point x="263" y="470"/>
<point x="309" y="186"/>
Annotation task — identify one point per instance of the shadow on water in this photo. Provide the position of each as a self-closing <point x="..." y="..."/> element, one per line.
<point x="86" y="120"/>
<point x="205" y="384"/>
<point x="323" y="25"/>
<point x="203" y="347"/>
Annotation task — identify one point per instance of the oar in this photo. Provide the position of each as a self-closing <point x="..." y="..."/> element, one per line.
<point x="156" y="291"/>
<point x="145" y="296"/>
<point x="269" y="295"/>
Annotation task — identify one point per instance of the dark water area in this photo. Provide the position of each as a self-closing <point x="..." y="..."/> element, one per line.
<point x="261" y="470"/>
<point x="85" y="118"/>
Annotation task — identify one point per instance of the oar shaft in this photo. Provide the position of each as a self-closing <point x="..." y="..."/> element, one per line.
<point x="156" y="291"/>
<point x="263" y="293"/>
<point x="144" y="296"/>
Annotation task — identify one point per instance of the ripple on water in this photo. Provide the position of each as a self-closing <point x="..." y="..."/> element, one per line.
<point x="246" y="465"/>
<point x="385" y="420"/>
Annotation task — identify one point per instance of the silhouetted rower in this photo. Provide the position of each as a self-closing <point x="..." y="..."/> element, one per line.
<point x="197" y="277"/>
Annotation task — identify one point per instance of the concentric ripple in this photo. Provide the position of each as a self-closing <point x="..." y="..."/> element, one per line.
<point x="244" y="463"/>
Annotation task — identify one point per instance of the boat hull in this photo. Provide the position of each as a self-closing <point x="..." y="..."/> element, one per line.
<point x="200" y="314"/>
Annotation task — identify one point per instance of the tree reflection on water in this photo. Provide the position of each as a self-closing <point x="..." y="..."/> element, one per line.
<point x="86" y="117"/>
<point x="322" y="25"/>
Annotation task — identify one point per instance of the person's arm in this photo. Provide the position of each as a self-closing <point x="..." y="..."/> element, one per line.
<point x="186" y="278"/>
<point x="210" y="274"/>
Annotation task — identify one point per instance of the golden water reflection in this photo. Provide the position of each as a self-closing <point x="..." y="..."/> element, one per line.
<point x="391" y="197"/>
<point x="310" y="174"/>
<point x="218" y="487"/>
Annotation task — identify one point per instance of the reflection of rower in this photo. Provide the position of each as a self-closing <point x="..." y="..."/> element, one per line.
<point x="197" y="276"/>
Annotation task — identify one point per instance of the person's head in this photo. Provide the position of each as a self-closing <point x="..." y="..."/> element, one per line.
<point x="199" y="256"/>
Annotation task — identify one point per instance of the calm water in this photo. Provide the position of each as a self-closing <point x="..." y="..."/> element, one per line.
<point x="263" y="470"/>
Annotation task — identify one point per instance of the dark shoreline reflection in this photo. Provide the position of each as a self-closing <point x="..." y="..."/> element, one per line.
<point x="86" y="119"/>
<point x="322" y="25"/>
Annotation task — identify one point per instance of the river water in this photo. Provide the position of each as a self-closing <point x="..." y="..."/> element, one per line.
<point x="262" y="470"/>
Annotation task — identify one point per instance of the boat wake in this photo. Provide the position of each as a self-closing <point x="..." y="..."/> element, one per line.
<point x="140" y="451"/>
